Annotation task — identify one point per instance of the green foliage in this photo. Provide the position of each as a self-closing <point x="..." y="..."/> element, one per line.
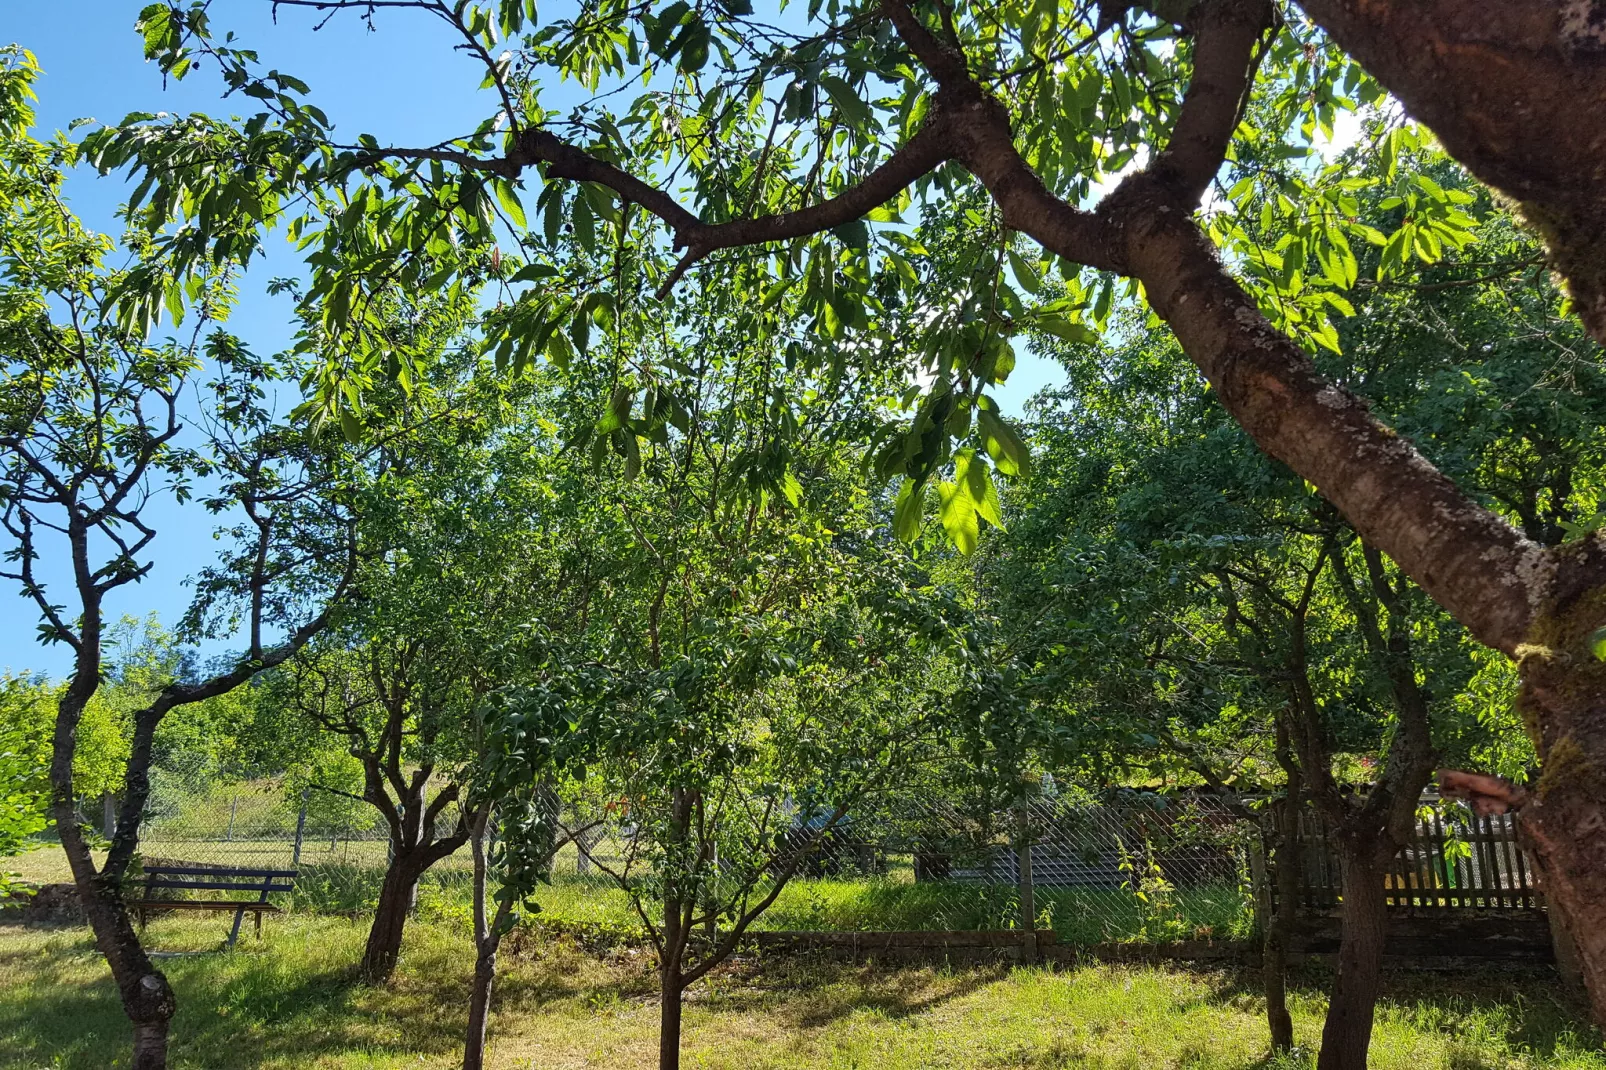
<point x="26" y="705"/>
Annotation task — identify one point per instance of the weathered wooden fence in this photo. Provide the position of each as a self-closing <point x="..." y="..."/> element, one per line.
<point x="1455" y="860"/>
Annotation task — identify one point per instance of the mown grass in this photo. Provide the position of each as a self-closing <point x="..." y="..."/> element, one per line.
<point x="291" y="1000"/>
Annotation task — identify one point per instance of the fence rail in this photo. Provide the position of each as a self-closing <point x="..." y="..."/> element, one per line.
<point x="1455" y="860"/>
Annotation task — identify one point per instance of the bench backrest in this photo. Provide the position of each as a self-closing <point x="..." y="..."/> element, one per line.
<point x="220" y="879"/>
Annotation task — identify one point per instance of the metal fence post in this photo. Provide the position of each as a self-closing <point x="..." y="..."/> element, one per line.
<point x="301" y="827"/>
<point x="234" y="804"/>
<point x="109" y="815"/>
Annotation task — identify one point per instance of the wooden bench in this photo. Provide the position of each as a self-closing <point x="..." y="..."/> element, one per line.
<point x="192" y="878"/>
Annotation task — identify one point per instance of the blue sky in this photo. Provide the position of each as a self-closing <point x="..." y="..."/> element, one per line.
<point x="403" y="83"/>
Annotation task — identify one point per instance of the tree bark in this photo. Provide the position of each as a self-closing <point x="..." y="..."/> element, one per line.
<point x="671" y="982"/>
<point x="1363" y="922"/>
<point x="1563" y="704"/>
<point x="396" y="897"/>
<point x="146" y="996"/>
<point x="479" y="1007"/>
<point x="488" y="932"/>
<point x="1280" y="927"/>
<point x="1516" y="91"/>
<point x="670" y="991"/>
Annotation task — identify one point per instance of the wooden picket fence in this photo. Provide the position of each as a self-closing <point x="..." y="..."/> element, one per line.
<point x="1455" y="861"/>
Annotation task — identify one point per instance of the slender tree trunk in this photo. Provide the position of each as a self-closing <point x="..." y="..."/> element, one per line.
<point x="487" y="941"/>
<point x="1280" y="925"/>
<point x="147" y="998"/>
<point x="1363" y="927"/>
<point x="479" y="1007"/>
<point x="669" y="1018"/>
<point x="1023" y="881"/>
<point x="396" y="896"/>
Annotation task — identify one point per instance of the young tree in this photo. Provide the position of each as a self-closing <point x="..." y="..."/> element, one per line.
<point x="438" y="622"/>
<point x="92" y="428"/>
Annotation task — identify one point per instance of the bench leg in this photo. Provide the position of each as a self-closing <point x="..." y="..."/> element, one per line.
<point x="259" y="925"/>
<point x="234" y="933"/>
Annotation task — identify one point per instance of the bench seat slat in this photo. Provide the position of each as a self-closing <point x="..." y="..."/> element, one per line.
<point x="208" y="871"/>
<point x="204" y="904"/>
<point x="219" y="886"/>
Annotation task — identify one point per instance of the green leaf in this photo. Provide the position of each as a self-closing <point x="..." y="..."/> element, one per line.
<point x="792" y="489"/>
<point x="958" y="514"/>
<point x="906" y="515"/>
<point x="508" y="198"/>
<point x="531" y="272"/>
<point x="1006" y="449"/>
<point x="1025" y="273"/>
<point x="585" y="224"/>
<point x="849" y="103"/>
<point x="618" y="410"/>
<point x="660" y="31"/>
<point x="1065" y="329"/>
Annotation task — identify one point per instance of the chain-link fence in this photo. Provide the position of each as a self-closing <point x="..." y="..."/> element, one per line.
<point x="1122" y="865"/>
<point x="1129" y="865"/>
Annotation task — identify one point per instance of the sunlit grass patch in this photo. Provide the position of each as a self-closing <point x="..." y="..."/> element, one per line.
<point x="291" y="1000"/>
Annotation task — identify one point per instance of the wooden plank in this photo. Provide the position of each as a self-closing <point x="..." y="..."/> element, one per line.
<point x="204" y="905"/>
<point x="1530" y="899"/>
<point x="230" y="871"/>
<point x="219" y="886"/>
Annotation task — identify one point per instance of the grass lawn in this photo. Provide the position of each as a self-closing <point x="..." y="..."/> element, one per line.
<point x="290" y="1001"/>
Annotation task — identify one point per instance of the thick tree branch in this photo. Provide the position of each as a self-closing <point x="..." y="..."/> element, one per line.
<point x="1516" y="91"/>
<point x="1467" y="559"/>
<point x="1226" y="54"/>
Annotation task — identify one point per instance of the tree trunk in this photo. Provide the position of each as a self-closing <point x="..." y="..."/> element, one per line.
<point x="1363" y="925"/>
<point x="1563" y="704"/>
<point x="1515" y="91"/>
<point x="147" y="998"/>
<point x="1280" y="926"/>
<point x="396" y="896"/>
<point x="488" y="932"/>
<point x="671" y="959"/>
<point x="669" y="1019"/>
<point x="150" y="1045"/>
<point x="1023" y="878"/>
<point x="479" y="1004"/>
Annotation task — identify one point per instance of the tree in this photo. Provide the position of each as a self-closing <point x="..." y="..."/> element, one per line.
<point x="91" y="428"/>
<point x="735" y="656"/>
<point x="1240" y="612"/>
<point x="786" y="140"/>
<point x="437" y="625"/>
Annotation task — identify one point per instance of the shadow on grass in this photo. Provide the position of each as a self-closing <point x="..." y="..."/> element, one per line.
<point x="1484" y="1014"/>
<point x="811" y="994"/>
